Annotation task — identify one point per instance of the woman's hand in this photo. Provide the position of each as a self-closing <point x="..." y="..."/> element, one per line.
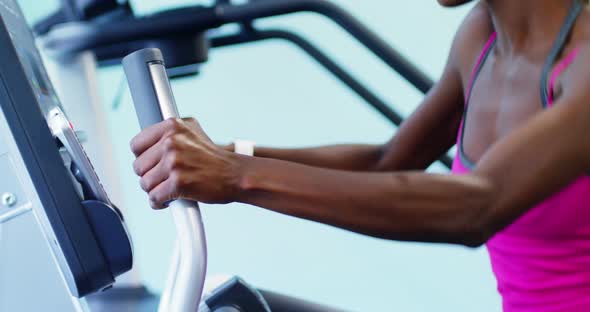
<point x="177" y="160"/>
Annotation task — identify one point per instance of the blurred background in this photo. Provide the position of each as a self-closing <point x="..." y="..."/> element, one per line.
<point x="272" y="93"/>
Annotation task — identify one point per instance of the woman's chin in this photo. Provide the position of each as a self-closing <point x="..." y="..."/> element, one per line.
<point x="452" y="3"/>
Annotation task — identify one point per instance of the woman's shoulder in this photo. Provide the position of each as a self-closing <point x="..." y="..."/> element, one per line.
<point x="577" y="52"/>
<point x="581" y="33"/>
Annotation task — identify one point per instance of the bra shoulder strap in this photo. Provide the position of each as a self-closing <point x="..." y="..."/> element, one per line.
<point x="557" y="49"/>
<point x="479" y="64"/>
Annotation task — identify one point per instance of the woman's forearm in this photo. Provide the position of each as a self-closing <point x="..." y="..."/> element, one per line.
<point x="406" y="206"/>
<point x="354" y="157"/>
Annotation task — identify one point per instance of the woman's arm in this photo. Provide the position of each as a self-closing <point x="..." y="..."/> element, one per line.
<point x="537" y="160"/>
<point x="422" y="139"/>
<point x="426" y="135"/>
<point x="352" y="157"/>
<point x="521" y="170"/>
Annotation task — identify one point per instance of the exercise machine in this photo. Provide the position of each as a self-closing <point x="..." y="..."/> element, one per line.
<point x="65" y="193"/>
<point x="47" y="176"/>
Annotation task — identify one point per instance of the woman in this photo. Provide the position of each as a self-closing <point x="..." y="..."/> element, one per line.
<point x="514" y="96"/>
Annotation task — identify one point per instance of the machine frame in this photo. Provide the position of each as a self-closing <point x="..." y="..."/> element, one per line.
<point x="76" y="248"/>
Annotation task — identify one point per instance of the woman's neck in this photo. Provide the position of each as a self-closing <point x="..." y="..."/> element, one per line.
<point x="523" y="25"/>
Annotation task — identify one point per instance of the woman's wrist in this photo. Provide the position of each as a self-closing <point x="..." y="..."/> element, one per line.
<point x="240" y="154"/>
<point x="243" y="167"/>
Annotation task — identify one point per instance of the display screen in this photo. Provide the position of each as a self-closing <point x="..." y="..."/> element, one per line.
<point x="24" y="42"/>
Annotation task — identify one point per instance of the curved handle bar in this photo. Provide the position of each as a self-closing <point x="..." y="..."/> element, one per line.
<point x="154" y="102"/>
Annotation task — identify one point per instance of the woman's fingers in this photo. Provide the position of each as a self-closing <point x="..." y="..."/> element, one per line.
<point x="154" y="177"/>
<point x="162" y="194"/>
<point x="148" y="160"/>
<point x="176" y="159"/>
<point x="152" y="135"/>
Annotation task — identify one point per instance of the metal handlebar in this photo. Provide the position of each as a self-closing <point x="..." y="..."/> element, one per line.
<point x="154" y="102"/>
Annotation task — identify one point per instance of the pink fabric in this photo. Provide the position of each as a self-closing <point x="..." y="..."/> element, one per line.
<point x="477" y="66"/>
<point x="559" y="69"/>
<point x="542" y="260"/>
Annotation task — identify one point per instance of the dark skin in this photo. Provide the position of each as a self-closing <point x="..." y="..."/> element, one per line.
<point x="382" y="190"/>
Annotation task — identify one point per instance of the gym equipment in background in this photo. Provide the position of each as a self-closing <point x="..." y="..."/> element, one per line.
<point x="185" y="42"/>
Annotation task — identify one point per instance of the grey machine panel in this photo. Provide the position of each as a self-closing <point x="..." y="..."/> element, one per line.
<point x="86" y="235"/>
<point x="12" y="195"/>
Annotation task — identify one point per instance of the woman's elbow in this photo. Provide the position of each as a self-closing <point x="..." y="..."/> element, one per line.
<point x="476" y="238"/>
<point x="479" y="224"/>
<point x="379" y="161"/>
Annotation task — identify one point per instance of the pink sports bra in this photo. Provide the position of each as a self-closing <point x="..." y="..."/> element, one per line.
<point x="542" y="260"/>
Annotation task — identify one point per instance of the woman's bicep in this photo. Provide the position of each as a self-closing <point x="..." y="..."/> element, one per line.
<point x="537" y="160"/>
<point x="432" y="129"/>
